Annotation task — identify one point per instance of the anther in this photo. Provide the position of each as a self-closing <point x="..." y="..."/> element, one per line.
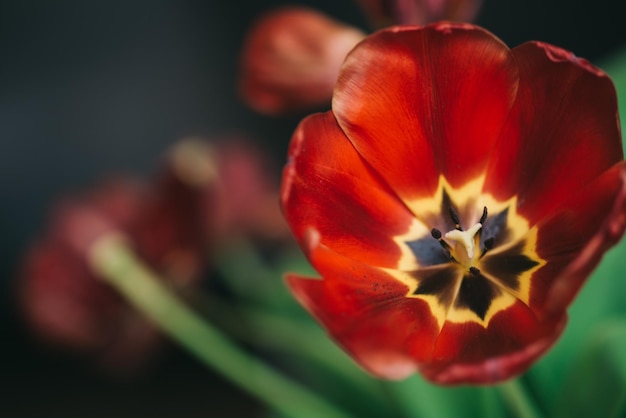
<point x="455" y="218"/>
<point x="436" y="234"/>
<point x="474" y="271"/>
<point x="487" y="245"/>
<point x="484" y="217"/>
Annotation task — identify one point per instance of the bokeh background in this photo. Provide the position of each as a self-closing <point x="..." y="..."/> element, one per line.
<point x="93" y="87"/>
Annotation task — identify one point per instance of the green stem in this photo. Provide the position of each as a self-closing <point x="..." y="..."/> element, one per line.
<point x="279" y="332"/>
<point x="115" y="262"/>
<point x="518" y="400"/>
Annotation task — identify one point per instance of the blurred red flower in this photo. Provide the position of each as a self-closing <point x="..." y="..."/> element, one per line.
<point x="207" y="194"/>
<point x="454" y="200"/>
<point x="61" y="295"/>
<point x="291" y="58"/>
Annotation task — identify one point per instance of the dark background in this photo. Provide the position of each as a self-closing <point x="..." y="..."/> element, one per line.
<point x="93" y="87"/>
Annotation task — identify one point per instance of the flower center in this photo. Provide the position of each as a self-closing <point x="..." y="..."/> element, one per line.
<point x="460" y="246"/>
<point x="460" y="274"/>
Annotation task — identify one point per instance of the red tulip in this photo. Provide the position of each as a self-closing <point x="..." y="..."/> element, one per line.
<point x="454" y="200"/>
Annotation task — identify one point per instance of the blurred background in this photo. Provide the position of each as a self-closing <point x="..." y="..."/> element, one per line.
<point x="93" y="87"/>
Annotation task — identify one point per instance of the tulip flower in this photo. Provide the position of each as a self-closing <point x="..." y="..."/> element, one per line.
<point x="454" y="200"/>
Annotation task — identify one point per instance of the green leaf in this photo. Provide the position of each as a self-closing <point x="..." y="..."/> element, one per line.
<point x="255" y="280"/>
<point x="597" y="385"/>
<point x="116" y="263"/>
<point x="419" y="398"/>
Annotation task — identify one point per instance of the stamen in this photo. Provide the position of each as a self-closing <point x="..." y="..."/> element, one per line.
<point x="484" y="217"/>
<point x="436" y="234"/>
<point x="448" y="254"/>
<point x="455" y="218"/>
<point x="482" y="220"/>
<point x="487" y="245"/>
<point x="460" y="246"/>
<point x="474" y="271"/>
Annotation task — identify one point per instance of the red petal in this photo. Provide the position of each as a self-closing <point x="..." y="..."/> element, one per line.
<point x="420" y="102"/>
<point x="469" y="353"/>
<point x="291" y="58"/>
<point x="574" y="238"/>
<point x="365" y="310"/>
<point x="328" y="187"/>
<point x="563" y="131"/>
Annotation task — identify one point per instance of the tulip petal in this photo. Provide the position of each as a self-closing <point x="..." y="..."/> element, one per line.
<point x="367" y="312"/>
<point x="574" y="238"/>
<point x="327" y="186"/>
<point x="470" y="353"/>
<point x="566" y="111"/>
<point x="417" y="103"/>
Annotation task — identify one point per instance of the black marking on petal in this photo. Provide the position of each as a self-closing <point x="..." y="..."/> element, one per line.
<point x="476" y="294"/>
<point x="496" y="227"/>
<point x="439" y="282"/>
<point x="429" y="251"/>
<point x="507" y="266"/>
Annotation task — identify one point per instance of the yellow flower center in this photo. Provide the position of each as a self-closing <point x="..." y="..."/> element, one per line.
<point x="471" y="268"/>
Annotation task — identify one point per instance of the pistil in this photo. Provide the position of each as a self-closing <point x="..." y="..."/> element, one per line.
<point x="461" y="245"/>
